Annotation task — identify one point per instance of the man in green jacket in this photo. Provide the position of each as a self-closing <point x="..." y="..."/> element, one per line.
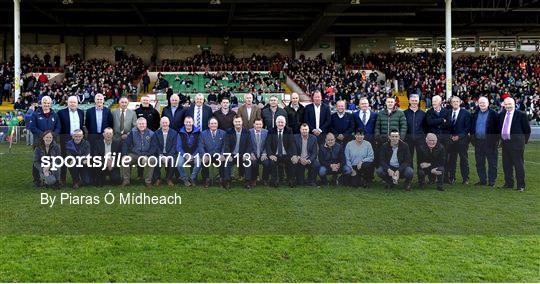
<point x="388" y="119"/>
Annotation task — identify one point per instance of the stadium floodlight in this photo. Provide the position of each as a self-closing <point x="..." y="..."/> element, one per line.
<point x="67" y="2"/>
<point x="215" y="2"/>
<point x="355" y="2"/>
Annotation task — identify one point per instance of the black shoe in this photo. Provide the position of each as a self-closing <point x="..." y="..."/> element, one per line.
<point x="292" y="184"/>
<point x="480" y="183"/>
<point x="505" y="186"/>
<point x="492" y="185"/>
<point x="408" y="187"/>
<point x="312" y="184"/>
<point x="247" y="185"/>
<point x="521" y="189"/>
<point x="387" y="185"/>
<point x="465" y="181"/>
<point x="421" y="185"/>
<point x="440" y="188"/>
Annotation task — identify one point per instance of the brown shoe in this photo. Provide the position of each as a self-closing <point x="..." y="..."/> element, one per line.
<point x="170" y="182"/>
<point x="75" y="185"/>
<point x="148" y="184"/>
<point x="157" y="183"/>
<point x="125" y="183"/>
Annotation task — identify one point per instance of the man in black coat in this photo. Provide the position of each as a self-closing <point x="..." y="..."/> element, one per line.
<point x="485" y="135"/>
<point x="515" y="133"/>
<point x="431" y="161"/>
<point x="295" y="113"/>
<point x="395" y="162"/>
<point x="149" y="113"/>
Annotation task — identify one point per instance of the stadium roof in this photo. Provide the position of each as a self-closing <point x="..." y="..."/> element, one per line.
<point x="296" y="19"/>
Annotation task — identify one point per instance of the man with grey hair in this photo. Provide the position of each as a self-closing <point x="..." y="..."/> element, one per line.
<point x="71" y="119"/>
<point x="200" y="112"/>
<point x="97" y="119"/>
<point x="79" y="147"/>
<point x="437" y="120"/>
<point x="124" y="119"/>
<point x="458" y="144"/>
<point x="485" y="135"/>
<point x="138" y="148"/>
<point x="280" y="149"/>
<point x="43" y="119"/>
<point x="515" y="133"/>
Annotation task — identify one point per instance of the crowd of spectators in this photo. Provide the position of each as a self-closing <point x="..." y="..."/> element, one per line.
<point x="422" y="74"/>
<point x="82" y="78"/>
<point x="214" y="62"/>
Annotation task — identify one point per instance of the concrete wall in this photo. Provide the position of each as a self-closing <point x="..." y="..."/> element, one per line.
<point x="316" y="48"/>
<point x="102" y="46"/>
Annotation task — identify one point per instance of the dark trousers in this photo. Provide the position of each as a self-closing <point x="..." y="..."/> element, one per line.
<point x="414" y="145"/>
<point x="453" y="150"/>
<point x="205" y="171"/>
<point x="422" y="173"/>
<point x="482" y="152"/>
<point x="255" y="169"/>
<point x="64" y="138"/>
<point x="406" y="173"/>
<point x="283" y="164"/>
<point x="364" y="175"/>
<point x="513" y="160"/>
<point x="312" y="169"/>
<point x="101" y="176"/>
<point x="227" y="170"/>
<point x="169" y="166"/>
<point x="80" y="175"/>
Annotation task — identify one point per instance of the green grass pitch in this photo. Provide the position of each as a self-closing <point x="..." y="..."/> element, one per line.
<point x="333" y="234"/>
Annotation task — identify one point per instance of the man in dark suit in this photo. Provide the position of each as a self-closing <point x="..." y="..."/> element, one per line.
<point x="97" y="119"/>
<point x="210" y="149"/>
<point x="107" y="148"/>
<point x="437" y="120"/>
<point x="460" y="126"/>
<point x="515" y="133"/>
<point x="280" y="148"/>
<point x="365" y="119"/>
<point x="175" y="113"/>
<point x="71" y="119"/>
<point x="258" y="155"/>
<point x="342" y="124"/>
<point x="485" y="135"/>
<point x="306" y="158"/>
<point x="200" y="113"/>
<point x="237" y="142"/>
<point x="163" y="145"/>
<point x="317" y="115"/>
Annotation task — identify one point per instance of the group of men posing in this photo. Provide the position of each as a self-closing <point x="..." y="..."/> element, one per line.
<point x="286" y="142"/>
